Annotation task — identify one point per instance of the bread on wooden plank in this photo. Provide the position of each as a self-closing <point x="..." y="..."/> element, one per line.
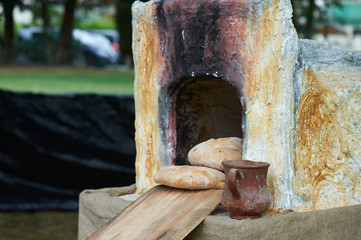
<point x="190" y="177"/>
<point x="213" y="152"/>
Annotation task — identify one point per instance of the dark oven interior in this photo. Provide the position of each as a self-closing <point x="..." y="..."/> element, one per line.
<point x="205" y="107"/>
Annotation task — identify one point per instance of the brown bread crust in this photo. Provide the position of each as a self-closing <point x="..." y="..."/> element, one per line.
<point x="190" y="177"/>
<point x="213" y="152"/>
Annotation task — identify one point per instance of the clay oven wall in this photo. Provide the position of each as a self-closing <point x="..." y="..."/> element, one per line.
<point x="242" y="54"/>
<point x="327" y="163"/>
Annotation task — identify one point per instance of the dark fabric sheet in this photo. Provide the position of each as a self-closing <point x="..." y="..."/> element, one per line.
<point x="54" y="146"/>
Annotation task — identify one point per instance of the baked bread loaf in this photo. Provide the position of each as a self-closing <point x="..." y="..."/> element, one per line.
<point x="190" y="177"/>
<point x="213" y="152"/>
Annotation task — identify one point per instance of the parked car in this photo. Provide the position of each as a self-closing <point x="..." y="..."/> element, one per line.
<point x="97" y="49"/>
<point x="88" y="47"/>
<point x="112" y="35"/>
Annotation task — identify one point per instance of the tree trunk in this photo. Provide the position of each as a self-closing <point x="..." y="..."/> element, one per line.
<point x="63" y="50"/>
<point x="124" y="27"/>
<point x="309" y="28"/>
<point x="44" y="13"/>
<point x="7" y="46"/>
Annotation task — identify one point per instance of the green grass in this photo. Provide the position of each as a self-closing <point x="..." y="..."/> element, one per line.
<point x="38" y="226"/>
<point x="66" y="80"/>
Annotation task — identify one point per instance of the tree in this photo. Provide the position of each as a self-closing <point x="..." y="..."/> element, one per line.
<point x="7" y="41"/>
<point x="62" y="55"/>
<point x="306" y="13"/>
<point x="41" y="11"/>
<point x="124" y="26"/>
<point x="44" y="13"/>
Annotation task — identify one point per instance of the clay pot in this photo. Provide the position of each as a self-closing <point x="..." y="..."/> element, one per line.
<point x="245" y="194"/>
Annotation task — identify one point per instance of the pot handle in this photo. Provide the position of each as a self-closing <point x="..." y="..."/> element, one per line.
<point x="233" y="177"/>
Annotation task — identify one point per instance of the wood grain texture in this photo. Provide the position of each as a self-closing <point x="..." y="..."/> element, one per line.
<point x="161" y="213"/>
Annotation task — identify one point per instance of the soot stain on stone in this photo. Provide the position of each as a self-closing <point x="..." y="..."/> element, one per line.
<point x="187" y="30"/>
<point x="196" y="41"/>
<point x="197" y="38"/>
<point x="161" y="19"/>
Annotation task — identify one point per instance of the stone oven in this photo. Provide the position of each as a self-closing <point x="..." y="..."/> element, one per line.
<point x="219" y="68"/>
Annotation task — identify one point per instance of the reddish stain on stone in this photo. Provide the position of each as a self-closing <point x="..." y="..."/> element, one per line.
<point x="198" y="39"/>
<point x="202" y="37"/>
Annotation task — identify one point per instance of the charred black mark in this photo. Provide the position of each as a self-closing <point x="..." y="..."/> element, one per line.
<point x="196" y="42"/>
<point x="186" y="35"/>
<point x="193" y="42"/>
<point x="161" y="19"/>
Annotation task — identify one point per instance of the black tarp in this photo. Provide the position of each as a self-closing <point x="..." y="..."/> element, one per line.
<point x="54" y="146"/>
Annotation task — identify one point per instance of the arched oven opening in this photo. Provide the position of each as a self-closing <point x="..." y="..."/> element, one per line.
<point x="206" y="107"/>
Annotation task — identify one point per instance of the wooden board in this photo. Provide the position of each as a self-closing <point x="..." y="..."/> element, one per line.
<point x="161" y="213"/>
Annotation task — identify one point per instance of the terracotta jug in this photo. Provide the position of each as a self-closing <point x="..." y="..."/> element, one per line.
<point x="245" y="194"/>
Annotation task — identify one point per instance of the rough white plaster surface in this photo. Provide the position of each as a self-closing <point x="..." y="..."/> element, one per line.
<point x="302" y="108"/>
<point x="328" y="127"/>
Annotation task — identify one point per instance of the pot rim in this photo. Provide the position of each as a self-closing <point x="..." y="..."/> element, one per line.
<point x="244" y="164"/>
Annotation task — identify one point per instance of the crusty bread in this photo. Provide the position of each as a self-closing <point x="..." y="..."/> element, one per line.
<point x="190" y="177"/>
<point x="213" y="152"/>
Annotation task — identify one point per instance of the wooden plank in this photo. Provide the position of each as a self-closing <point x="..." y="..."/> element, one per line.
<point x="194" y="218"/>
<point x="161" y="213"/>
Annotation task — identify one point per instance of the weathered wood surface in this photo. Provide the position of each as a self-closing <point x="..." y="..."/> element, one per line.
<point x="161" y="213"/>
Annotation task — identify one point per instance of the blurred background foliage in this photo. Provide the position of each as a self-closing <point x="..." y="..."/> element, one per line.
<point x="57" y="19"/>
<point x="310" y="17"/>
<point x="336" y="22"/>
<point x="309" y="13"/>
